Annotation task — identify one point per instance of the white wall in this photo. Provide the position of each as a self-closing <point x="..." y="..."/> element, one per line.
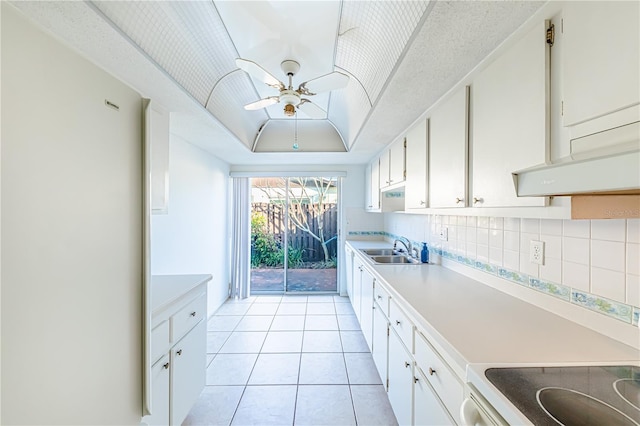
<point x="193" y="237"/>
<point x="71" y="176"/>
<point x="354" y="217"/>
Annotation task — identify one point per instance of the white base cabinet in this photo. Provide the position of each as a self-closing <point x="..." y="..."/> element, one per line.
<point x="366" y="307"/>
<point x="427" y="410"/>
<point x="178" y="346"/>
<point x="380" y="342"/>
<point x="400" y="379"/>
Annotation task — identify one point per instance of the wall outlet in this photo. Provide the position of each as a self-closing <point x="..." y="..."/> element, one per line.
<point x="444" y="233"/>
<point x="536" y="252"/>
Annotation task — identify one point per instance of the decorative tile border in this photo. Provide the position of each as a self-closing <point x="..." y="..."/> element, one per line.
<point x="602" y="305"/>
<point x="391" y="194"/>
<point x="514" y="276"/>
<point x="620" y="311"/>
<point x="366" y="233"/>
<point x="613" y="309"/>
<point x="557" y="290"/>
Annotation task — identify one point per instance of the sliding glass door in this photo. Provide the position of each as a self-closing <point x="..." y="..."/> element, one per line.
<point x="294" y="233"/>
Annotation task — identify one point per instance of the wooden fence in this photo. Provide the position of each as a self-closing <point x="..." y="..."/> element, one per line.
<point x="311" y="248"/>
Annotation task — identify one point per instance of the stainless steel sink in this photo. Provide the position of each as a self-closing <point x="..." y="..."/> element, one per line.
<point x="380" y="252"/>
<point x="393" y="259"/>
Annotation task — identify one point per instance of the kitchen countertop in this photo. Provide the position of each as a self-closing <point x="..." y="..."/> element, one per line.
<point x="476" y="324"/>
<point x="165" y="289"/>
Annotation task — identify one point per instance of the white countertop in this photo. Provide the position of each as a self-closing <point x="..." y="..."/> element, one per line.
<point x="477" y="324"/>
<point x="167" y="288"/>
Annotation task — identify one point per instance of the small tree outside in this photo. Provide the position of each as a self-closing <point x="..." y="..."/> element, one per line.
<point x="307" y="198"/>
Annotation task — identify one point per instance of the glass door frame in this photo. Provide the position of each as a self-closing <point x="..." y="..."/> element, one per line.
<point x="285" y="244"/>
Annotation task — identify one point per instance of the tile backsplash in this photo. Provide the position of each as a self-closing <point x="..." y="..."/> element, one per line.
<point x="591" y="263"/>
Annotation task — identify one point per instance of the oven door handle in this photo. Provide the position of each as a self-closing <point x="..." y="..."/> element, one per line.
<point x="471" y="414"/>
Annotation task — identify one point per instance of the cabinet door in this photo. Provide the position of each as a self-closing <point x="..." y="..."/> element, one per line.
<point x="157" y="138"/>
<point x="384" y="169"/>
<point x="427" y="409"/>
<point x="366" y="306"/>
<point x="448" y="145"/>
<point x="160" y="372"/>
<point x="348" y="254"/>
<point x="397" y="162"/>
<point x="416" y="182"/>
<point x="357" y="287"/>
<point x="380" y="341"/>
<point x="188" y="371"/>
<point x="510" y="127"/>
<point x="375" y="185"/>
<point x="601" y="71"/>
<point x="400" y="379"/>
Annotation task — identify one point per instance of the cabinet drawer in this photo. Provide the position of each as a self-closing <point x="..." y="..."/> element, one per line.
<point x="441" y="378"/>
<point x="160" y="340"/>
<point x="401" y="324"/>
<point x="381" y="297"/>
<point x="186" y="318"/>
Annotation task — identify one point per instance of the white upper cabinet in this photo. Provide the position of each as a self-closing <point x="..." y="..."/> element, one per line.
<point x="157" y="141"/>
<point x="383" y="170"/>
<point x="510" y="126"/>
<point x="397" y="162"/>
<point x="392" y="164"/>
<point x="372" y="185"/>
<point x="601" y="62"/>
<point x="416" y="162"/>
<point x="448" y="151"/>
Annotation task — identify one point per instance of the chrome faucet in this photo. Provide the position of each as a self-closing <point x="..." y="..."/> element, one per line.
<point x="406" y="243"/>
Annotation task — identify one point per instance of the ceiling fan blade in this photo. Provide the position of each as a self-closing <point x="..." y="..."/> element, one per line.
<point x="259" y="73"/>
<point x="325" y="83"/>
<point x="311" y="109"/>
<point x="262" y="103"/>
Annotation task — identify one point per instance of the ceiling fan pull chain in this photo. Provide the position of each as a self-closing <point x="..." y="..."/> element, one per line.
<point x="295" y="133"/>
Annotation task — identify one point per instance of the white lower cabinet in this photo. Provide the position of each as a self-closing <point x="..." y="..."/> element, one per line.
<point x="366" y="307"/>
<point x="189" y="358"/>
<point x="178" y="351"/>
<point x="400" y="379"/>
<point x="160" y="379"/>
<point x="427" y="409"/>
<point x="380" y="341"/>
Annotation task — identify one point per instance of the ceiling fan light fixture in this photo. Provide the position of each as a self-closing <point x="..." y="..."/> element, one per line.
<point x="289" y="110"/>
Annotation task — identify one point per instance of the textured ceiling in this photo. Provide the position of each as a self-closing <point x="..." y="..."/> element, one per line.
<point x="401" y="57"/>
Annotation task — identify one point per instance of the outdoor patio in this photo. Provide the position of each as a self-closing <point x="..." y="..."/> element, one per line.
<point x="270" y="279"/>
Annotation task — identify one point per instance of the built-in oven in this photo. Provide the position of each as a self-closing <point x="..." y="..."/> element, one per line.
<point x="555" y="395"/>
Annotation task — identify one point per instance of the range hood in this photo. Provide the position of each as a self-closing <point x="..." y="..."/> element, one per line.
<point x="607" y="162"/>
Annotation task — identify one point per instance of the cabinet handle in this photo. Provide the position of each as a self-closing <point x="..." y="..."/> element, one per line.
<point x="166" y="366"/>
<point x="179" y="352"/>
<point x="379" y="297"/>
<point x="415" y="380"/>
<point x="422" y="203"/>
<point x="406" y="364"/>
<point x="477" y="200"/>
<point x="397" y="322"/>
<point x="193" y="314"/>
<point x="459" y="200"/>
<point x="431" y="371"/>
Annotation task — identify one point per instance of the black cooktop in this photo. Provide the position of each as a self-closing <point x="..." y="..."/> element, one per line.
<point x="594" y="395"/>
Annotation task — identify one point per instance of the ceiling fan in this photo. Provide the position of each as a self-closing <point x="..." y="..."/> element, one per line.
<point x="290" y="97"/>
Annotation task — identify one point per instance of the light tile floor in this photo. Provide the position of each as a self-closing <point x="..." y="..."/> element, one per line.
<point x="289" y="360"/>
